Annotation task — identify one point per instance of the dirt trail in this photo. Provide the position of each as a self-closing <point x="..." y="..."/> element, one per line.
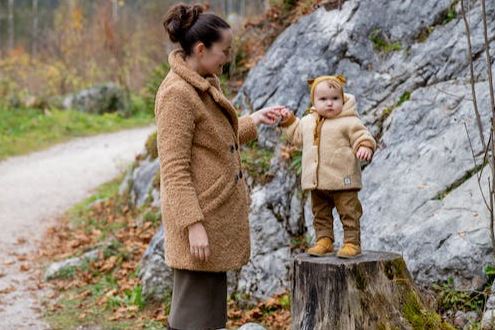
<point x="34" y="190"/>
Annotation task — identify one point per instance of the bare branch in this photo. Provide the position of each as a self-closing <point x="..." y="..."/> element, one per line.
<point x="480" y="173"/>
<point x="488" y="63"/>
<point x="492" y="236"/>
<point x="470" y="145"/>
<point x="471" y="68"/>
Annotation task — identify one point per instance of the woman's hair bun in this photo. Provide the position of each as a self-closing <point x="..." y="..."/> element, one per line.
<point x="180" y="18"/>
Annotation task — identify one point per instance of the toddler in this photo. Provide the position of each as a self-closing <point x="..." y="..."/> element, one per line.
<point x="333" y="141"/>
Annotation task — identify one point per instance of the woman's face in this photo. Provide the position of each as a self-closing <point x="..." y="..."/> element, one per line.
<point x="211" y="60"/>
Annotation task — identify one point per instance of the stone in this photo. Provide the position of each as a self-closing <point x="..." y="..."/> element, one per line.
<point x="59" y="268"/>
<point x="252" y="326"/>
<point x="104" y="98"/>
<point x="156" y="277"/>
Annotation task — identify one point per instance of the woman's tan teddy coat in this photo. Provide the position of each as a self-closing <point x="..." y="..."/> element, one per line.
<point x="201" y="180"/>
<point x="329" y="159"/>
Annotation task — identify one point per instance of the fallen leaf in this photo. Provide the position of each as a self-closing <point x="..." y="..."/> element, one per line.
<point x="22" y="257"/>
<point x="21" y="240"/>
<point x="24" y="268"/>
<point x="7" y="290"/>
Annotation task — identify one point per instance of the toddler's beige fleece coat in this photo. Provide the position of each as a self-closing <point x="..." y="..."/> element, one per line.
<point x="329" y="159"/>
<point x="198" y="135"/>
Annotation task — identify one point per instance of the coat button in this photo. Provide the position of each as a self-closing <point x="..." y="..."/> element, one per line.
<point x="240" y="174"/>
<point x="236" y="146"/>
<point x="232" y="148"/>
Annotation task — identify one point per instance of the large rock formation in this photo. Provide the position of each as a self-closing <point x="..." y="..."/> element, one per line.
<point x="407" y="66"/>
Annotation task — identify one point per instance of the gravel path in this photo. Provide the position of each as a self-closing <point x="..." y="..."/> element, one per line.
<point x="34" y="190"/>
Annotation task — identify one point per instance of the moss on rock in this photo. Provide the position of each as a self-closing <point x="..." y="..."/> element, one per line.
<point x="151" y="146"/>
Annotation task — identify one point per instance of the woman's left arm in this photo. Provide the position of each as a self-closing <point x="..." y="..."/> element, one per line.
<point x="247" y="129"/>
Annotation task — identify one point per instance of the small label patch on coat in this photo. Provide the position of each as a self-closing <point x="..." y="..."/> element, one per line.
<point x="347" y="181"/>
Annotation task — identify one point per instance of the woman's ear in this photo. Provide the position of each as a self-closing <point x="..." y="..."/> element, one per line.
<point x="199" y="49"/>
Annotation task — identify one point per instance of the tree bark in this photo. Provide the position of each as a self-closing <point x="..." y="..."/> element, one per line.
<point x="373" y="291"/>
<point x="10" y="25"/>
<point x="34" y="40"/>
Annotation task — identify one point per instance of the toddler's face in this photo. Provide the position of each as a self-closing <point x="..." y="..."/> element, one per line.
<point x="328" y="100"/>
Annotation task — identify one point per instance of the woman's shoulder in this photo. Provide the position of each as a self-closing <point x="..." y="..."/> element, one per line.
<point x="174" y="84"/>
<point x="174" y="88"/>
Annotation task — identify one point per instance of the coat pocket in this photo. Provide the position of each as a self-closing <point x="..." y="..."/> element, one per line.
<point x="214" y="189"/>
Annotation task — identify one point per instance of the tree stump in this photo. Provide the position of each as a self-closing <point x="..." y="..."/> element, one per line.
<point x="372" y="291"/>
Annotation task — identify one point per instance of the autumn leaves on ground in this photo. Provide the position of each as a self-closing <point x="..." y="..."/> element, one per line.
<point x="107" y="292"/>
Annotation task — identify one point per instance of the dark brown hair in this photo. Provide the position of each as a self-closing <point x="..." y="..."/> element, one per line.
<point x="188" y="24"/>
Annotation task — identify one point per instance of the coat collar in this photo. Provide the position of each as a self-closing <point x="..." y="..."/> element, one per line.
<point x="210" y="84"/>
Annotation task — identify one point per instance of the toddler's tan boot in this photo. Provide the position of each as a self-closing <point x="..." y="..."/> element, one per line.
<point x="324" y="246"/>
<point x="349" y="250"/>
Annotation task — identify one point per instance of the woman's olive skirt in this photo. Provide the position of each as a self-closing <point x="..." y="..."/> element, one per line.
<point x="199" y="300"/>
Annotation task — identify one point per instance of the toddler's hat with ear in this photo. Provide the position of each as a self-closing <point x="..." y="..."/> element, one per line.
<point x="338" y="80"/>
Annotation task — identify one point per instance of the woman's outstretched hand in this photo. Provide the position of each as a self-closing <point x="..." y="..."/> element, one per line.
<point x="268" y="115"/>
<point x="198" y="241"/>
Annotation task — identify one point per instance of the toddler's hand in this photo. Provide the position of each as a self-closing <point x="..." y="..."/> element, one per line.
<point x="364" y="153"/>
<point x="284" y="113"/>
<point x="267" y="115"/>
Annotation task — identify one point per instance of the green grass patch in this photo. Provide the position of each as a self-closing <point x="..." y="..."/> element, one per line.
<point x="443" y="18"/>
<point x="451" y="299"/>
<point x="70" y="315"/>
<point x="457" y="183"/>
<point x="381" y="42"/>
<point x="421" y="318"/>
<point x="81" y="215"/>
<point x="26" y="130"/>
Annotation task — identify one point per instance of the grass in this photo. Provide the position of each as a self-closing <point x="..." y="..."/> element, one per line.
<point x="445" y="17"/>
<point x="69" y="315"/>
<point x="381" y="42"/>
<point x="451" y="299"/>
<point x="26" y="130"/>
<point x="457" y="183"/>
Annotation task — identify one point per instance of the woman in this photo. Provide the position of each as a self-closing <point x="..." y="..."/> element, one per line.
<point x="205" y="200"/>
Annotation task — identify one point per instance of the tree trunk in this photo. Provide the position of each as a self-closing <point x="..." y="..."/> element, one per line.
<point x="373" y="291"/>
<point x="10" y="24"/>
<point x="115" y="11"/>
<point x="34" y="41"/>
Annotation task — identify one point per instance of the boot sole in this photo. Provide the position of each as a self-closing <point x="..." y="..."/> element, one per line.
<point x="322" y="255"/>
<point x="348" y="257"/>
